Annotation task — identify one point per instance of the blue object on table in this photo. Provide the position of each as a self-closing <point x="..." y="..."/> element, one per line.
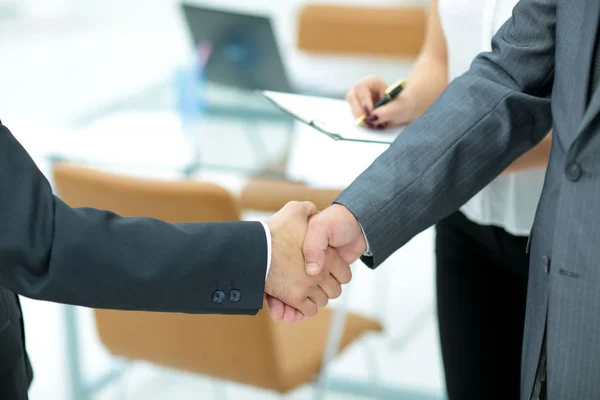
<point x="190" y="86"/>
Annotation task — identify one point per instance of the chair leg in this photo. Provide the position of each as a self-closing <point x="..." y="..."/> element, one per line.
<point x="125" y="379"/>
<point x="73" y="353"/>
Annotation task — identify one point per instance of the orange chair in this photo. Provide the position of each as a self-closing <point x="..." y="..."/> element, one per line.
<point x="271" y="195"/>
<point x="244" y="349"/>
<point x="362" y="30"/>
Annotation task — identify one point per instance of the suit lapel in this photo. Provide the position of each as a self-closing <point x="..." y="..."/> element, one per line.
<point x="589" y="31"/>
<point x="592" y="111"/>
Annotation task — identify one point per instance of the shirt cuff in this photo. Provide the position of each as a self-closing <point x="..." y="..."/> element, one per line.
<point x="367" y="252"/>
<point x="268" y="235"/>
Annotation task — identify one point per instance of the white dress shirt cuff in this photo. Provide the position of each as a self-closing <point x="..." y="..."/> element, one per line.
<point x="268" y="234"/>
<point x="367" y="252"/>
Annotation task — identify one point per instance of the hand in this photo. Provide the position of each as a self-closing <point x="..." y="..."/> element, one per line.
<point x="280" y="311"/>
<point x="287" y="280"/>
<point x="370" y="90"/>
<point x="340" y="272"/>
<point x="336" y="227"/>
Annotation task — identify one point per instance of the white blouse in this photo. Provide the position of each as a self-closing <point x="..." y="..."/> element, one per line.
<point x="510" y="200"/>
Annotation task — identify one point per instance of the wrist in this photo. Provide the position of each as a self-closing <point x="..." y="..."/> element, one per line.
<point x="409" y="107"/>
<point x="354" y="228"/>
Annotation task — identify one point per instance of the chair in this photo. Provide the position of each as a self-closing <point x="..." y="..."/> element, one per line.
<point x="244" y="349"/>
<point x="271" y="195"/>
<point x="365" y="30"/>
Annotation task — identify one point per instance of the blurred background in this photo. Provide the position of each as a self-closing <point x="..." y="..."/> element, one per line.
<point x="104" y="85"/>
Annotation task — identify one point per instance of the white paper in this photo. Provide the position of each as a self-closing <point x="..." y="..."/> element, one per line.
<point x="326" y="164"/>
<point x="330" y="115"/>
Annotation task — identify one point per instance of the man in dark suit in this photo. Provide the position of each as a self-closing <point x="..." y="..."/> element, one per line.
<point x="95" y="258"/>
<point x="542" y="73"/>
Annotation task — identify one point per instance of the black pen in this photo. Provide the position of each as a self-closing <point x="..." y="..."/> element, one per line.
<point x="390" y="94"/>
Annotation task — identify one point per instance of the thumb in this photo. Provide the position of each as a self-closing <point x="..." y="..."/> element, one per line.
<point x="309" y="209"/>
<point x="315" y="245"/>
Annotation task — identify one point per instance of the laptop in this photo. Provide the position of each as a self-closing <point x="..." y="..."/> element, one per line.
<point x="244" y="54"/>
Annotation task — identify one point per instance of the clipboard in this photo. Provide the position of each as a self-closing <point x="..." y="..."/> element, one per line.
<point x="331" y="117"/>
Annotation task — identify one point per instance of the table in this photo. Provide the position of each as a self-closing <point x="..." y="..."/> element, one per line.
<point x="237" y="131"/>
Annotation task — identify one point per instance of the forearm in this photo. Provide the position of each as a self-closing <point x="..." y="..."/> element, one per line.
<point x="94" y="258"/>
<point x="442" y="159"/>
<point x="429" y="76"/>
<point x="426" y="82"/>
<point x="483" y="122"/>
<point x="534" y="158"/>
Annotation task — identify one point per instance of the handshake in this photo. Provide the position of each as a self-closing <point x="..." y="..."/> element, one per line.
<point x="311" y="257"/>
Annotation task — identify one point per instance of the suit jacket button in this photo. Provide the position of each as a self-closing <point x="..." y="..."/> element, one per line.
<point x="573" y="172"/>
<point x="235" y="295"/>
<point x="218" y="297"/>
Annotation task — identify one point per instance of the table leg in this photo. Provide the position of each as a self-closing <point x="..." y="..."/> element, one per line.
<point x="76" y="383"/>
<point x="81" y="388"/>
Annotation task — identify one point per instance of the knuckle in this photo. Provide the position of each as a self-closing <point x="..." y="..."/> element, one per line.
<point x="371" y="78"/>
<point x="309" y="205"/>
<point x="322" y="276"/>
<point x="298" y="294"/>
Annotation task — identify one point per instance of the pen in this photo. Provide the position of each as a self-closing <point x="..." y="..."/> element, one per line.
<point x="389" y="95"/>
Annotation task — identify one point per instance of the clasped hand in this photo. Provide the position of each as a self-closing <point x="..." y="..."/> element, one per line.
<point x="311" y="257"/>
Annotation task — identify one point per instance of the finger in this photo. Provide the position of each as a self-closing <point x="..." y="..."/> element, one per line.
<point x="319" y="297"/>
<point x="306" y="209"/>
<point x="315" y="244"/>
<point x="388" y="113"/>
<point x="371" y="121"/>
<point x="355" y="104"/>
<point x="331" y="287"/>
<point x="364" y="96"/>
<point x="308" y="308"/>
<point x="338" y="268"/>
<point x="289" y="314"/>
<point x="309" y="209"/>
<point x="276" y="308"/>
<point x="299" y="316"/>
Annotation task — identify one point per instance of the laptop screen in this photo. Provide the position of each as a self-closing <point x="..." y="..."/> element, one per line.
<point x="244" y="49"/>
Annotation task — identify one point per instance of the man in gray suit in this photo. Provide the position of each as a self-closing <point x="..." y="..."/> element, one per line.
<point x="94" y="258"/>
<point x="543" y="72"/>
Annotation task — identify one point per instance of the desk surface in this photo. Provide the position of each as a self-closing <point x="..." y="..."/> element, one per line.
<point x="237" y="131"/>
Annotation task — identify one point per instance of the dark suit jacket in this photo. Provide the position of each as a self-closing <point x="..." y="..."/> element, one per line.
<point x="15" y="370"/>
<point x="87" y="257"/>
<point x="536" y="77"/>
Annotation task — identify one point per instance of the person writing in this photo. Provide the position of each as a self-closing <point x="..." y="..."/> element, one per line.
<point x="481" y="261"/>
<point x="93" y="258"/>
<point x="543" y="72"/>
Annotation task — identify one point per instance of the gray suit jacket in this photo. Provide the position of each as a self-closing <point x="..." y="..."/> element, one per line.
<point x="536" y="77"/>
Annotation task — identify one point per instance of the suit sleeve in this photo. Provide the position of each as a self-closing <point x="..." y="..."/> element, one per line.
<point x="485" y="119"/>
<point x="50" y="251"/>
